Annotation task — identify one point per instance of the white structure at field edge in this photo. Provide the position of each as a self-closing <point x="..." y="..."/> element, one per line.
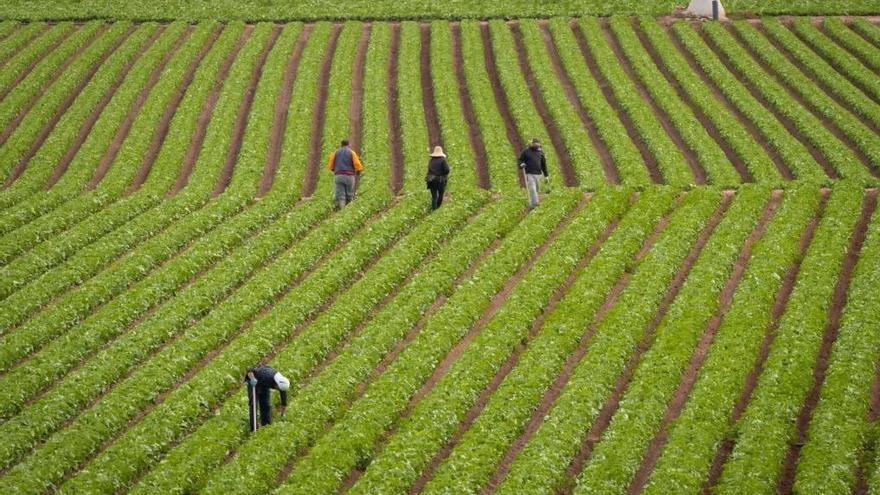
<point x="703" y="8"/>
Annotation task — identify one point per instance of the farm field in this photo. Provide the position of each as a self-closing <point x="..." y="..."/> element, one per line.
<point x="691" y="309"/>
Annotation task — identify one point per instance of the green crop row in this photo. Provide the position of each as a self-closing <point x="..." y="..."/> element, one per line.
<point x="584" y="157"/>
<point x="617" y="456"/>
<point x="412" y="442"/>
<point x="842" y="60"/>
<point x="711" y="157"/>
<point x="390" y="392"/>
<point x="481" y="447"/>
<point x="864" y="138"/>
<point x="187" y="405"/>
<point x="629" y="163"/>
<point x="833" y="150"/>
<point x="866" y="52"/>
<point x="500" y="156"/>
<point x="42" y="257"/>
<point x="839" y="429"/>
<point x="870" y="31"/>
<point x="541" y="465"/>
<point x="767" y="426"/>
<point x="672" y="163"/>
<point x="414" y="130"/>
<point x="25" y="46"/>
<point x="839" y="85"/>
<point x="753" y="155"/>
<point x="794" y="154"/>
<point x="375" y="140"/>
<point x="97" y="373"/>
<point x="693" y="438"/>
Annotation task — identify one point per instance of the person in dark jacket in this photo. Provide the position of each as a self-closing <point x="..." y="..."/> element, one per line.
<point x="345" y="165"/>
<point x="438" y="172"/>
<point x="264" y="379"/>
<point x="533" y="163"/>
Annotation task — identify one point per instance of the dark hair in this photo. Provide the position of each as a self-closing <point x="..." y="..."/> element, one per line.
<point x="345" y="142"/>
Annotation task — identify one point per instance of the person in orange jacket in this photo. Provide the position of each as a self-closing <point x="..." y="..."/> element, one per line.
<point x="346" y="166"/>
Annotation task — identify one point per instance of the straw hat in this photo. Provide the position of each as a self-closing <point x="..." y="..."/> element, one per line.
<point x="438" y="152"/>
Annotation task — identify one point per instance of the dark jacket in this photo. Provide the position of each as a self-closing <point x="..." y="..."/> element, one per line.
<point x="534" y="161"/>
<point x="265" y="376"/>
<point x="345" y="161"/>
<point x="438" y="170"/>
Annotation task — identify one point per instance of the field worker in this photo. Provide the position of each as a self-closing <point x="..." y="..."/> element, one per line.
<point x="345" y="165"/>
<point x="438" y="172"/>
<point x="533" y="163"/>
<point x="262" y="380"/>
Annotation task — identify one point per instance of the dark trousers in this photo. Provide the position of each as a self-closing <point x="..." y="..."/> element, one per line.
<point x="264" y="400"/>
<point x="437" y="190"/>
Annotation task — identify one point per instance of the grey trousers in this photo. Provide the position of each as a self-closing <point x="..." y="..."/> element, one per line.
<point x="344" y="189"/>
<point x="532" y="182"/>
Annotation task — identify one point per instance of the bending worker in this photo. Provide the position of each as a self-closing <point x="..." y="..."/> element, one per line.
<point x="345" y="165"/>
<point x="262" y="380"/>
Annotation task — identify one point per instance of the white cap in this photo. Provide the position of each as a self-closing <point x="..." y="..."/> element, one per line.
<point x="283" y="383"/>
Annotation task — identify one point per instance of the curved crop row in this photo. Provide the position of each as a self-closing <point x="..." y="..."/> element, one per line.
<point x="19" y="58"/>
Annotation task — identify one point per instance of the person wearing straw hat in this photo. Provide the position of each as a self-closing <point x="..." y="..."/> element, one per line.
<point x="260" y="381"/>
<point x="438" y="172"/>
<point x="533" y="163"/>
<point x="345" y="165"/>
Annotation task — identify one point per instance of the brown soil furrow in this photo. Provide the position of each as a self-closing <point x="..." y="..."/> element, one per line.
<point x="568" y="368"/>
<point x="689" y="377"/>
<point x="210" y="356"/>
<point x="835" y="311"/>
<point x="86" y="126"/>
<point x="516" y="141"/>
<point x="165" y="122"/>
<point x="124" y="128"/>
<point x="750" y="126"/>
<point x="792" y="129"/>
<point x="394" y="125"/>
<point x="244" y="110"/>
<point x="10" y="128"/>
<point x="310" y="181"/>
<point x="688" y="153"/>
<point x="30" y="67"/>
<point x="705" y="121"/>
<point x="355" y="109"/>
<point x="821" y="84"/>
<point x="282" y="110"/>
<point x="830" y="126"/>
<point x="632" y="132"/>
<point x="467" y="108"/>
<point x="201" y="129"/>
<point x="508" y="366"/>
<point x="32" y="38"/>
<point x="779" y="305"/>
<point x="608" y="167"/>
<point x="432" y="120"/>
<point x="603" y="420"/>
<point x="565" y="166"/>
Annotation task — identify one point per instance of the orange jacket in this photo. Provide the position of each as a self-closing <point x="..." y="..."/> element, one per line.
<point x="356" y="161"/>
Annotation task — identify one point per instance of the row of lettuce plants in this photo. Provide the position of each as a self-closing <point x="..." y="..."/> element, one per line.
<point x="711" y="157"/>
<point x="193" y="401"/>
<point x="839" y="429"/>
<point x="541" y="465"/>
<point x="833" y="151"/>
<point x="767" y="426"/>
<point x="862" y="137"/>
<point x="793" y="153"/>
<point x="414" y="131"/>
<point x="842" y="60"/>
<point x="25" y="47"/>
<point x="584" y="157"/>
<point x="390" y="392"/>
<point x="731" y="130"/>
<point x="866" y="52"/>
<point x="866" y="29"/>
<point x="476" y="456"/>
<point x="500" y="155"/>
<point x="375" y="141"/>
<point x="617" y="456"/>
<point x="629" y="163"/>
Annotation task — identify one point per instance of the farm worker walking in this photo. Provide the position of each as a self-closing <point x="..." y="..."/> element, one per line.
<point x="438" y="172"/>
<point x="345" y="165"/>
<point x="260" y="381"/>
<point x="533" y="163"/>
